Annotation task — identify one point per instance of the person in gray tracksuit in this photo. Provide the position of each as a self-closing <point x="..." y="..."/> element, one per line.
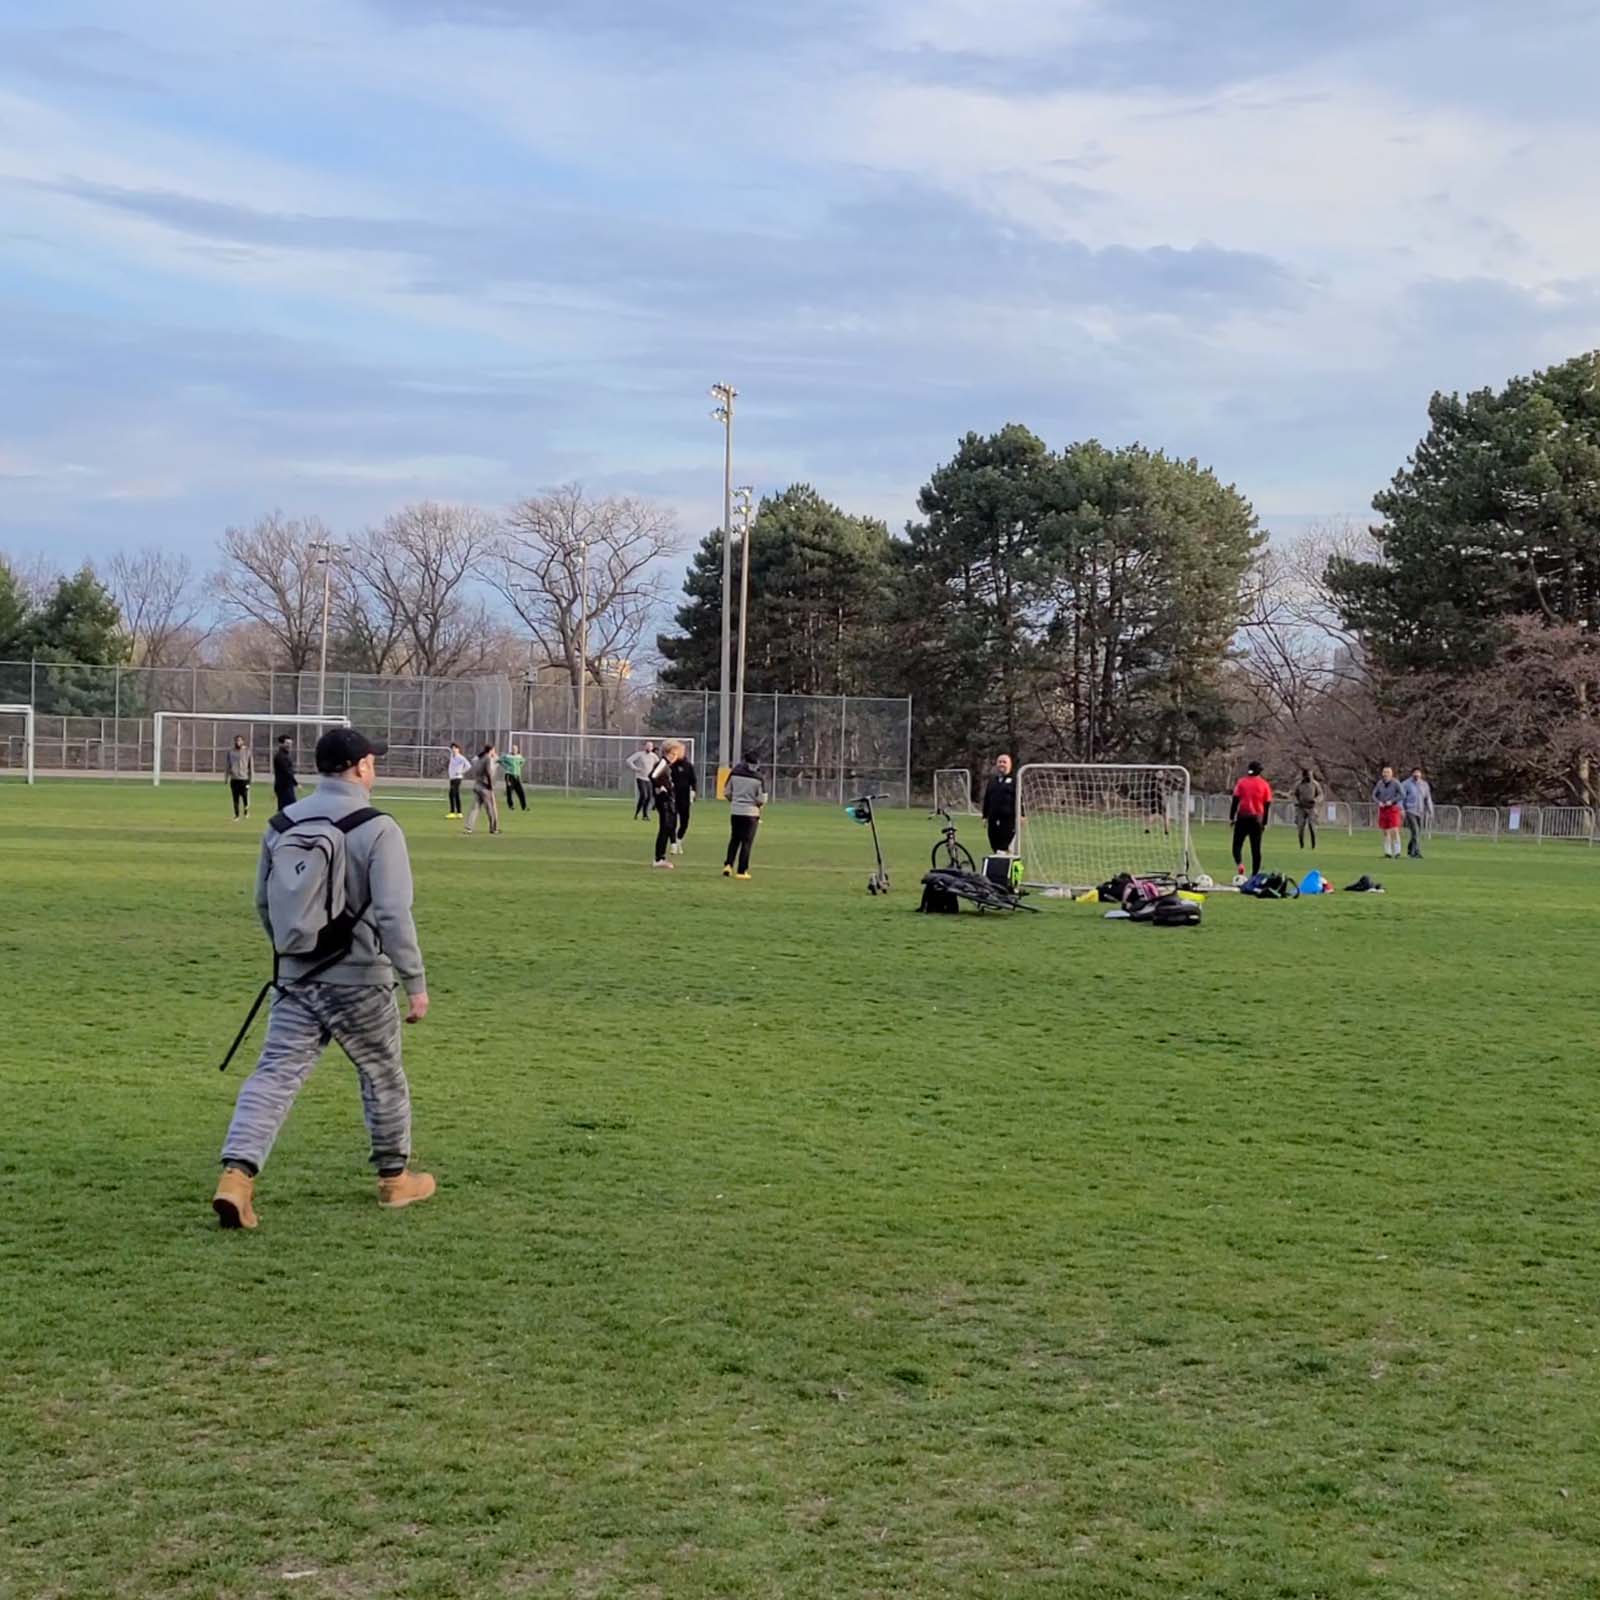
<point x="746" y="794"/>
<point x="241" y="774"/>
<point x="485" y="774"/>
<point x="351" y="1002"/>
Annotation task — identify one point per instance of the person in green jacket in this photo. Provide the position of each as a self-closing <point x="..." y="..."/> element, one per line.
<point x="511" y="765"/>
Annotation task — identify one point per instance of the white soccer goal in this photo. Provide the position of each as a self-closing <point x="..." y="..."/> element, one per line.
<point x="596" y="762"/>
<point x="952" y="792"/>
<point x="1080" y="825"/>
<point x="16" y="742"/>
<point x="208" y="754"/>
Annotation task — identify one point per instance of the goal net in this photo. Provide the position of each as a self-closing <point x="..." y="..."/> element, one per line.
<point x="1079" y="826"/>
<point x="952" y="792"/>
<point x="16" y="743"/>
<point x="197" y="742"/>
<point x="594" y="763"/>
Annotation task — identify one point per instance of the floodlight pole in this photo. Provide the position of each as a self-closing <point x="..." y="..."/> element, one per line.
<point x="324" y="558"/>
<point x="725" y="394"/>
<point x="745" y="495"/>
<point x="583" y="651"/>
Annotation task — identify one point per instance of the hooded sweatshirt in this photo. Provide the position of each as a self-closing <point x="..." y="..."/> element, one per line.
<point x="241" y="765"/>
<point x="746" y="791"/>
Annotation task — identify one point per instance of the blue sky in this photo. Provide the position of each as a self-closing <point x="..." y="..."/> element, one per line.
<point x="333" y="255"/>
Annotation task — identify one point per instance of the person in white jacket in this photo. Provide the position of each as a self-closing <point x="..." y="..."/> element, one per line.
<point x="459" y="767"/>
<point x="641" y="763"/>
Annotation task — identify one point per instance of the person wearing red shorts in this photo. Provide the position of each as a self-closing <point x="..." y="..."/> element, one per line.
<point x="1250" y="812"/>
<point x="1387" y="796"/>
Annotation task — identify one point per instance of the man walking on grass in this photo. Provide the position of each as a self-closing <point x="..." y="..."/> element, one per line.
<point x="1416" y="801"/>
<point x="347" y="998"/>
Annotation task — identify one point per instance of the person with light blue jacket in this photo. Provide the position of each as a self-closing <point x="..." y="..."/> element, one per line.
<point x="1416" y="800"/>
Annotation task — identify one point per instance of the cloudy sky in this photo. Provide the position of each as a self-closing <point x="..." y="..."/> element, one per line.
<point x="332" y="255"/>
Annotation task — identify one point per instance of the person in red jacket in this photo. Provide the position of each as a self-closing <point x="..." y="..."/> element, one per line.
<point x="1249" y="814"/>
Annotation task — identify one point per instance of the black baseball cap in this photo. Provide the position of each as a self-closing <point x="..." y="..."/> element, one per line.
<point x="339" y="749"/>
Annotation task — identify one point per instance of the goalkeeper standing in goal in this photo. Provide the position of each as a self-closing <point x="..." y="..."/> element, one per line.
<point x="1250" y="812"/>
<point x="1000" y="806"/>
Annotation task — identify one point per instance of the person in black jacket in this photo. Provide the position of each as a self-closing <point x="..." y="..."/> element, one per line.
<point x="283" y="775"/>
<point x="685" y="791"/>
<point x="663" y="801"/>
<point x="1000" y="806"/>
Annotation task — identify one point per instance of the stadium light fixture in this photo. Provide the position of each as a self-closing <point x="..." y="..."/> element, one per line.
<point x="725" y="394"/>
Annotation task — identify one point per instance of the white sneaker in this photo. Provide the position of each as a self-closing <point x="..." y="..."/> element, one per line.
<point x="666" y="864"/>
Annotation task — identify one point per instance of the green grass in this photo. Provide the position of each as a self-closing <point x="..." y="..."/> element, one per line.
<point x="791" y="1244"/>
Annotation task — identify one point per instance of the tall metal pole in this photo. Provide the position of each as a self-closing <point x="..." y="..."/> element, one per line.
<point x="725" y="394"/>
<point x="583" y="652"/>
<point x="325" y="557"/>
<point x="744" y="611"/>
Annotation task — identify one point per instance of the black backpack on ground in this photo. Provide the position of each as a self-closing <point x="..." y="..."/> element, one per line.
<point x="1271" y="886"/>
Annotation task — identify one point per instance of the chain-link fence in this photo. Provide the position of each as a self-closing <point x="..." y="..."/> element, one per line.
<point x="98" y="720"/>
<point x="1540" y="824"/>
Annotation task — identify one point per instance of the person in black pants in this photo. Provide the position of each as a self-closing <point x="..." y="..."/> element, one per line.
<point x="1000" y="806"/>
<point x="661" y="798"/>
<point x="746" y="794"/>
<point x="685" y="791"/>
<point x="284" y="784"/>
<point x="1250" y="812"/>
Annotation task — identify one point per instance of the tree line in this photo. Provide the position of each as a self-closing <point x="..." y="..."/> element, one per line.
<point x="1087" y="602"/>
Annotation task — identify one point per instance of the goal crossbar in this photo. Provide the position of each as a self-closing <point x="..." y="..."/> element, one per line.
<point x="162" y="718"/>
<point x="26" y="713"/>
<point x="1080" y="824"/>
<point x="565" y="760"/>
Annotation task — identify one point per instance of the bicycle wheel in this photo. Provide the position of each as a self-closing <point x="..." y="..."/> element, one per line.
<point x="957" y="858"/>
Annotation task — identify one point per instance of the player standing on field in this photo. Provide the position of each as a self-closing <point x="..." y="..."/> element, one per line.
<point x="284" y="783"/>
<point x="1250" y="812"/>
<point x="1307" y="797"/>
<point x="746" y="793"/>
<point x="664" y="801"/>
<point x="241" y="770"/>
<point x="351" y="1001"/>
<point x="640" y="764"/>
<point x="1000" y="806"/>
<point x="685" y="791"/>
<point x="1389" y="797"/>
<point x="458" y="769"/>
<point x="511" y="766"/>
<point x="484" y="772"/>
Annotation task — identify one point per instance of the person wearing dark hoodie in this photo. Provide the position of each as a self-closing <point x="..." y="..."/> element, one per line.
<point x="746" y="793"/>
<point x="685" y="791"/>
<point x="241" y="771"/>
<point x="1307" y="797"/>
<point x="285" y="781"/>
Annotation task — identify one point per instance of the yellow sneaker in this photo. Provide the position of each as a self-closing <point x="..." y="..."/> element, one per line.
<point x="231" y="1202"/>
<point x="743" y="877"/>
<point x="405" y="1190"/>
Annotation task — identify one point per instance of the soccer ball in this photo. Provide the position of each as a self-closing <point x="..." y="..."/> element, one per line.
<point x="1204" y="881"/>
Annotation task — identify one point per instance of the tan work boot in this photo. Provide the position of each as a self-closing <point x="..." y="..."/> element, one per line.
<point x="405" y="1190"/>
<point x="232" y="1199"/>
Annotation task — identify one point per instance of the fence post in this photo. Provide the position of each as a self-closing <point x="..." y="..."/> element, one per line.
<point x="908" y="756"/>
<point x="842" y="704"/>
<point x="116" y="723"/>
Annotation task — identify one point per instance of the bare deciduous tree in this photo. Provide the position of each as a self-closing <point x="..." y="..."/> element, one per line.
<point x="162" y="606"/>
<point x="561" y="555"/>
<point x="411" y="605"/>
<point x="270" y="576"/>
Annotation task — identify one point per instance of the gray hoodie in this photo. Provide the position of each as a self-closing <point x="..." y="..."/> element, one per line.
<point x="745" y="791"/>
<point x="241" y="764"/>
<point x="376" y="867"/>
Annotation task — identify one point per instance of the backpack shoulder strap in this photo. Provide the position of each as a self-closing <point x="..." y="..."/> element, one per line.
<point x="280" y="823"/>
<point x="359" y="819"/>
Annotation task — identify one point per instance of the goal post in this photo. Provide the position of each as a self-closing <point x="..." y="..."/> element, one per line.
<point x="594" y="762"/>
<point x="17" y="757"/>
<point x="1079" y="825"/>
<point x="952" y="792"/>
<point x="229" y="720"/>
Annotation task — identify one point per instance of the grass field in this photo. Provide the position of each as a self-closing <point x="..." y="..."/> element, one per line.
<point x="791" y="1244"/>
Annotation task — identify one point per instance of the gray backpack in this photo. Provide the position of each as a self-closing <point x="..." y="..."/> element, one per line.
<point x="306" y="903"/>
<point x="306" y="885"/>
